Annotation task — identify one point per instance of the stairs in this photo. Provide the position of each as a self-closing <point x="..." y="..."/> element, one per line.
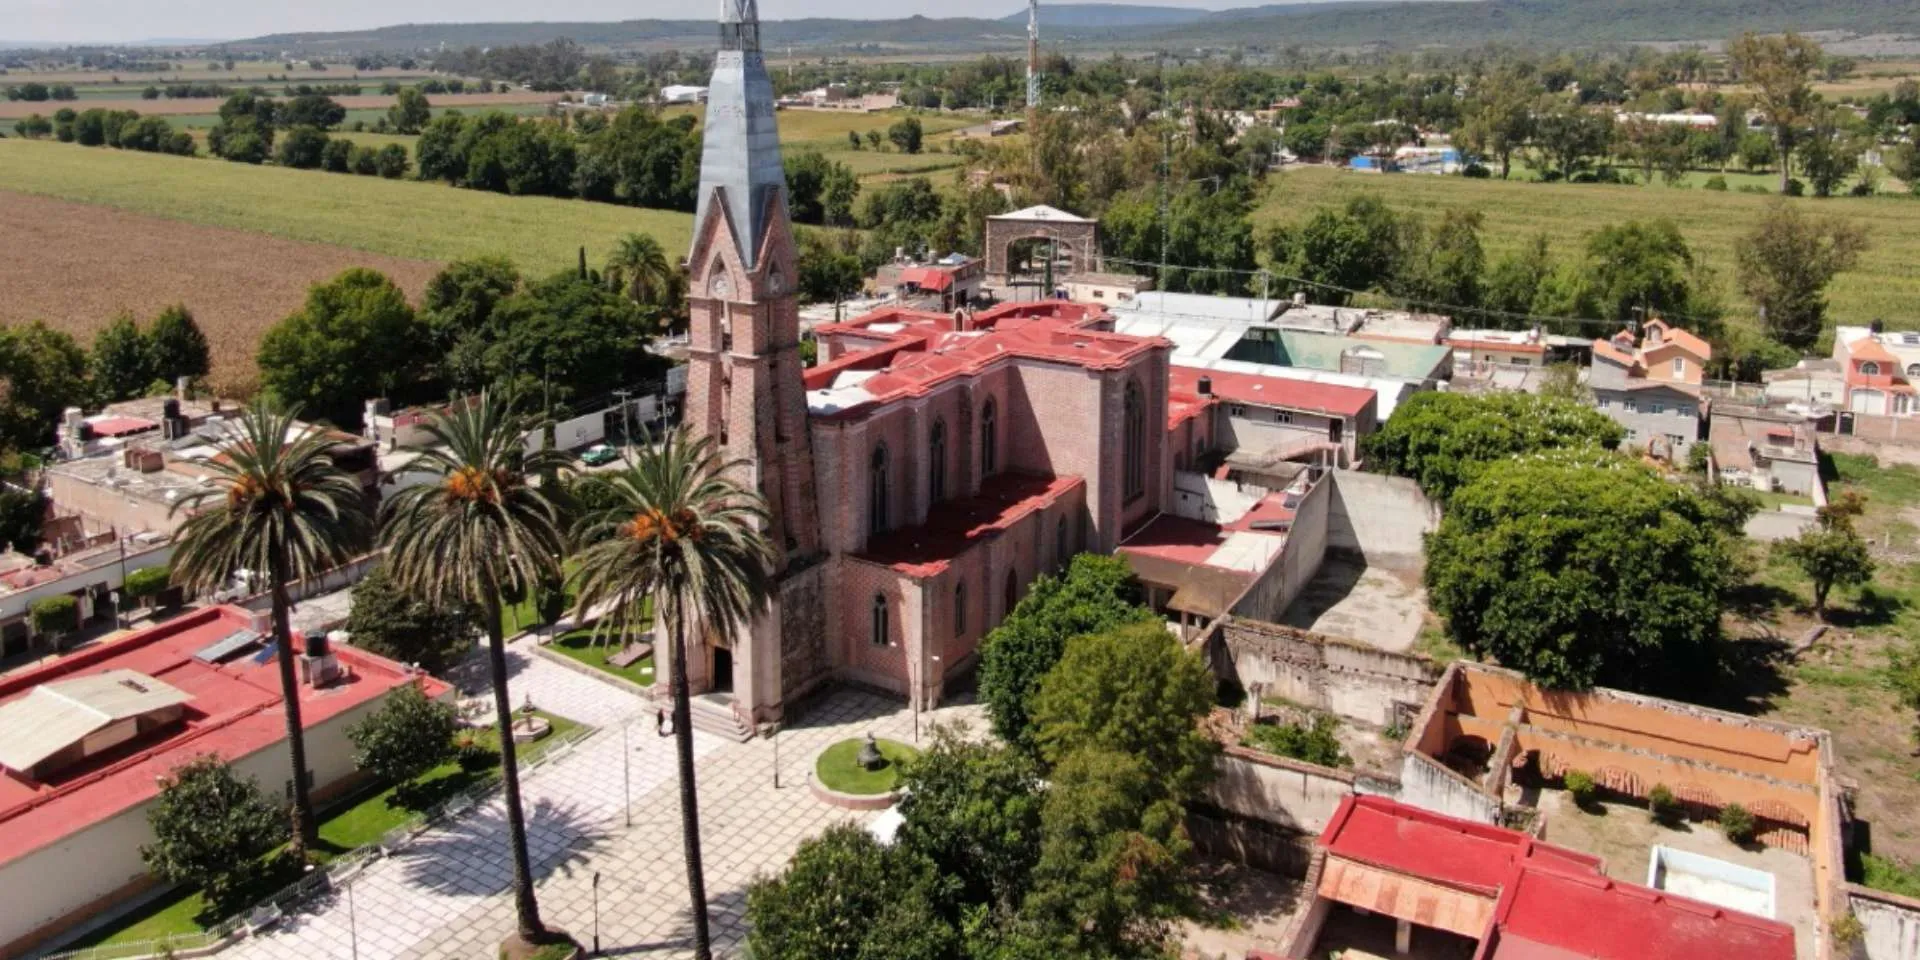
<point x="713" y="713"/>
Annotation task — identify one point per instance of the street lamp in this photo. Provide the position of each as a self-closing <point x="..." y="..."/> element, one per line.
<point x="353" y="923"/>
<point x="626" y="774"/>
<point x="596" y="913"/>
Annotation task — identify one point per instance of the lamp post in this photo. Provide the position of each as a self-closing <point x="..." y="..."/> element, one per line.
<point x="353" y="924"/>
<point x="596" y="913"/>
<point x="626" y="778"/>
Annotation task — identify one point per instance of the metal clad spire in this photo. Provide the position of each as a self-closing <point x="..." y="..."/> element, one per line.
<point x="740" y="154"/>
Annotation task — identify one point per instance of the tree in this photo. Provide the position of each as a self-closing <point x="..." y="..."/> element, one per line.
<point x="1357" y="247"/>
<point x="640" y="268"/>
<point x="42" y="372"/>
<point x="827" y="271"/>
<point x="814" y="183"/>
<point x="1098" y="593"/>
<point x="1831" y="552"/>
<point x="22" y="513"/>
<point x="477" y="528"/>
<point x="1113" y="869"/>
<point x="1515" y="281"/>
<point x="55" y="617"/>
<point x="148" y="582"/>
<point x="338" y="156"/>
<point x="456" y="311"/>
<point x="905" y="135"/>
<point x="1444" y="440"/>
<point x="176" y="346"/>
<point x="1829" y="149"/>
<point x="974" y="810"/>
<point x="310" y="110"/>
<point x="686" y="534"/>
<point x="1785" y="263"/>
<point x="1446" y="268"/>
<point x="1568" y="135"/>
<point x="396" y="625"/>
<point x="364" y="160"/>
<point x="302" y="148"/>
<point x="410" y="112"/>
<point x="1133" y="690"/>
<point x="391" y="162"/>
<point x="566" y="338"/>
<point x="33" y="127"/>
<point x="1583" y="568"/>
<point x="277" y="505"/>
<point x="122" y="360"/>
<point x="409" y="735"/>
<point x="1640" y="268"/>
<point x="1499" y="115"/>
<point x="355" y="339"/>
<point x="846" y="897"/>
<point x="1778" y="70"/>
<point x="210" y="828"/>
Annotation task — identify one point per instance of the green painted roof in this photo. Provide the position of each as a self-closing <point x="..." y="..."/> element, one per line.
<point x="1319" y="351"/>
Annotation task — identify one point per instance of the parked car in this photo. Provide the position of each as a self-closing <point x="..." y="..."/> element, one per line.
<point x="599" y="454"/>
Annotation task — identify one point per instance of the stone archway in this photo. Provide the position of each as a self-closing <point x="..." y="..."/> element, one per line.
<point x="1077" y="236"/>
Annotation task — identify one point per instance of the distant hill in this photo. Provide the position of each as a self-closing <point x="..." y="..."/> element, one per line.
<point x="1342" y="23"/>
<point x="1081" y="16"/>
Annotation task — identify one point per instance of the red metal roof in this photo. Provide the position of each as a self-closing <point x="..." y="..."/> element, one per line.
<point x="1284" y="393"/>
<point x="1551" y="915"/>
<point x="235" y="711"/>
<point x="1553" y="903"/>
<point x="927" y="278"/>
<point x="956" y="526"/>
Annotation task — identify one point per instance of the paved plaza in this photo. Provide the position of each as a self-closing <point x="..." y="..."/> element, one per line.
<point x="447" y="895"/>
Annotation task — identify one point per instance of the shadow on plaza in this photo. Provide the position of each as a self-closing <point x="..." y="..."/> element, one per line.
<point x="469" y="856"/>
<point x="726" y="927"/>
<point x="838" y="706"/>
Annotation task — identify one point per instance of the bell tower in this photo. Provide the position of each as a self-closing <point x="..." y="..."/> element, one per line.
<point x="744" y="384"/>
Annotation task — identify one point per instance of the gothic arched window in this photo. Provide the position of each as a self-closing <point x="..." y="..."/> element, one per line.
<point x="877" y="490"/>
<point x="989" y="438"/>
<point x="937" y="462"/>
<point x="1134" y="423"/>
<point x="879" y="620"/>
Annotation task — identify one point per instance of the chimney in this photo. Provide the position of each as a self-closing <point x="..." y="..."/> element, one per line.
<point x="1877" y="326"/>
<point x="1299" y="298"/>
<point x="181" y="387"/>
<point x="1206" y="386"/>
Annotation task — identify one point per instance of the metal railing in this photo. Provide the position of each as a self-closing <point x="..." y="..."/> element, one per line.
<point x="269" y="910"/>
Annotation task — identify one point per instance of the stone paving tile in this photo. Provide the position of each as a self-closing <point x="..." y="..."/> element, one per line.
<point x="447" y="897"/>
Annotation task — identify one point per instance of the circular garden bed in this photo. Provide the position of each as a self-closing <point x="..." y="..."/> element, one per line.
<point x="840" y="778"/>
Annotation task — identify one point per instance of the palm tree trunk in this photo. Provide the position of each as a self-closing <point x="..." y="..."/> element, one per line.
<point x="526" y="907"/>
<point x="306" y="831"/>
<point x="689" y="801"/>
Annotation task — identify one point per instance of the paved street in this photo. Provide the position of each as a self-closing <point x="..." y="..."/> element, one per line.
<point x="447" y="896"/>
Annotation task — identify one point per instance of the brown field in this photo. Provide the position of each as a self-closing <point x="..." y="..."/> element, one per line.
<point x="14" y="109"/>
<point x="76" y="266"/>
<point x="245" y="71"/>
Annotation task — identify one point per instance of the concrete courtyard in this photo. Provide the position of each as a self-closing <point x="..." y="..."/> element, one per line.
<point x="1377" y="605"/>
<point x="447" y="896"/>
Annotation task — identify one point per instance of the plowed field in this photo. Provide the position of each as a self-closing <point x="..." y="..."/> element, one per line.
<point x="75" y="266"/>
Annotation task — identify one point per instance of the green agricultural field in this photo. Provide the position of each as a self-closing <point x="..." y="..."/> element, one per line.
<point x="402" y="218"/>
<point x="1884" y="286"/>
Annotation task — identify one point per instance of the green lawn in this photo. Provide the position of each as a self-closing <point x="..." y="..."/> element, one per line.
<point x="1884" y="286"/>
<point x="838" y="769"/>
<point x="402" y="218"/>
<point x="356" y="822"/>
<point x="583" y="646"/>
<point x="1773" y="500"/>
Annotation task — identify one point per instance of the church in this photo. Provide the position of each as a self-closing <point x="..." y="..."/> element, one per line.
<point x="927" y="469"/>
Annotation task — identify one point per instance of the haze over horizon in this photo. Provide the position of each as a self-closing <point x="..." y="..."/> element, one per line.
<point x="118" y="21"/>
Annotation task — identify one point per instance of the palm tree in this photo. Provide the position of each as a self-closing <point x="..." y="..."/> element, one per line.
<point x="678" y="528"/>
<point x="278" y="504"/>
<point x="639" y="267"/>
<point x="477" y="529"/>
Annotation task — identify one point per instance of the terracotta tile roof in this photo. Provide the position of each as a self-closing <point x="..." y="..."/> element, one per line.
<point x="1608" y="351"/>
<point x="956" y="526"/>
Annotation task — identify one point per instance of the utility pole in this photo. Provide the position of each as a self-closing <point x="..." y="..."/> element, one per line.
<point x="1033" y="61"/>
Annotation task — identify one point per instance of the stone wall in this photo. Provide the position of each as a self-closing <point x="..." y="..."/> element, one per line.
<point x="803" y="632"/>
<point x="1279" y="792"/>
<point x="1252" y="842"/>
<point x="1384" y="519"/>
<point x="1424" y="782"/>
<point x="1354" y="681"/>
<point x="1268" y="596"/>
<point x="1890" y="924"/>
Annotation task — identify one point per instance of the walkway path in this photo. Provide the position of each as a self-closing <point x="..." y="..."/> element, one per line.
<point x="447" y="896"/>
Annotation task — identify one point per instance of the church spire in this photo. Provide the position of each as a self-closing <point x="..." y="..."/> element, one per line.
<point x="740" y="159"/>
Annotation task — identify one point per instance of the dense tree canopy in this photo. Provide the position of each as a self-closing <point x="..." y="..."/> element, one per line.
<point x="1786" y="262"/>
<point x="355" y="339"/>
<point x="1583" y="568"/>
<point x="1097" y="593"/>
<point x="1444" y="440"/>
<point x="396" y="625"/>
<point x="210" y="828"/>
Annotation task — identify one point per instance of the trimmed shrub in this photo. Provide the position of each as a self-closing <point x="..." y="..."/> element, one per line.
<point x="1580" y="787"/>
<point x="1664" y="806"/>
<point x="147" y="581"/>
<point x="1715" y="182"/>
<point x="56" y="615"/>
<point x="1737" y="823"/>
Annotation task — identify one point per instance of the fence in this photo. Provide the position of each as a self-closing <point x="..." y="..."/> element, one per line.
<point x="268" y="912"/>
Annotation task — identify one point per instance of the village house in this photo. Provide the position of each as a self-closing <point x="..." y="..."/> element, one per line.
<point x="1877" y="369"/>
<point x="1653" y="388"/>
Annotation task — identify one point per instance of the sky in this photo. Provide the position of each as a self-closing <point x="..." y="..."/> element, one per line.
<point x="125" y="21"/>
